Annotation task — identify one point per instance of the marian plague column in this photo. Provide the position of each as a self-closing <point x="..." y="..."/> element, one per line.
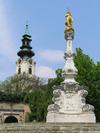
<point x="69" y="98"/>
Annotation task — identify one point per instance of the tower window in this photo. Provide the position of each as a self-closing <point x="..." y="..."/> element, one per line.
<point x="30" y="61"/>
<point x="19" y="61"/>
<point x="27" y="43"/>
<point x="30" y="70"/>
<point x="19" y="70"/>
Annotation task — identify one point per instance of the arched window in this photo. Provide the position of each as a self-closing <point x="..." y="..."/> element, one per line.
<point x="19" y="70"/>
<point x="30" y="70"/>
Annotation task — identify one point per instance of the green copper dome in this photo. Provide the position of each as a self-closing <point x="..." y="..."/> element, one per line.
<point x="26" y="51"/>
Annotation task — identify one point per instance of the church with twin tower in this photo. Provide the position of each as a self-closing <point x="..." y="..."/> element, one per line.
<point x="25" y="64"/>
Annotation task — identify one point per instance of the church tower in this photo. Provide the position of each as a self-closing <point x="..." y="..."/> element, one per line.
<point x="25" y="64"/>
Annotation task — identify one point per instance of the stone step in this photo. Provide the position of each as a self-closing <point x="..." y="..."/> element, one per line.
<point x="50" y="128"/>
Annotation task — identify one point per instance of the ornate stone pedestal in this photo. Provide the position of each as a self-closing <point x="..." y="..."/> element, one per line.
<point x="69" y="98"/>
<point x="69" y="106"/>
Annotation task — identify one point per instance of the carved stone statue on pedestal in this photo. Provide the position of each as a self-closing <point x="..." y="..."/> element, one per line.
<point x="69" y="98"/>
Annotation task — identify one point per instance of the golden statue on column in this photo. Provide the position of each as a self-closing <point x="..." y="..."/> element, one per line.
<point x="69" y="22"/>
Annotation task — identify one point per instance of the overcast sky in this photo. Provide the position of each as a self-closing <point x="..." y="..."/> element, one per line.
<point x="46" y="20"/>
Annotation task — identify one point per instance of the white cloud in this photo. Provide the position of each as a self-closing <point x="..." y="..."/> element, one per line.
<point x="52" y="55"/>
<point x="48" y="55"/>
<point x="44" y="71"/>
<point x="7" y="43"/>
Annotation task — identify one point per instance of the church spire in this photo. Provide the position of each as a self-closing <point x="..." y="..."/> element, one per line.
<point x="26" y="52"/>
<point x="26" y="31"/>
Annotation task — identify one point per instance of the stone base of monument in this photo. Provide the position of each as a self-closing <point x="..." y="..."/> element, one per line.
<point x="73" y="118"/>
<point x="70" y="106"/>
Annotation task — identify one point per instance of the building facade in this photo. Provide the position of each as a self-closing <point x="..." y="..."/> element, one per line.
<point x="11" y="112"/>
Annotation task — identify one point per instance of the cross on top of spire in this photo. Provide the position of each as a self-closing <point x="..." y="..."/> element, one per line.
<point x="26" y="24"/>
<point x="26" y="31"/>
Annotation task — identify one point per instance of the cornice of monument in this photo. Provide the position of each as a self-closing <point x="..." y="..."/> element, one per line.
<point x="69" y="35"/>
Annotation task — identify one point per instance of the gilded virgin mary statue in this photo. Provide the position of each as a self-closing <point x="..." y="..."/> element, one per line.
<point x="69" y="22"/>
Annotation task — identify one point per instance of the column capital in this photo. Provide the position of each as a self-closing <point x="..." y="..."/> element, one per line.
<point x="69" y="35"/>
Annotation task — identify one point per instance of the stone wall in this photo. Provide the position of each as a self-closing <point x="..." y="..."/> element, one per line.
<point x="18" y="110"/>
<point x="50" y="128"/>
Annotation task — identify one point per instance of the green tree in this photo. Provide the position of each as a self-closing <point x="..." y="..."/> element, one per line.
<point x="22" y="82"/>
<point x="38" y="103"/>
<point x="85" y="67"/>
<point x="6" y="85"/>
<point x="12" y="97"/>
<point x="89" y="75"/>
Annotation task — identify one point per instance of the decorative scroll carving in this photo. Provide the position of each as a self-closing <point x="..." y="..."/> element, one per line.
<point x="69" y="35"/>
<point x="88" y="108"/>
<point x="57" y="98"/>
<point x="53" y="107"/>
<point x="69" y="54"/>
<point x="70" y="86"/>
<point x="57" y="87"/>
<point x="84" y="93"/>
<point x="70" y="94"/>
<point x="57" y="93"/>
